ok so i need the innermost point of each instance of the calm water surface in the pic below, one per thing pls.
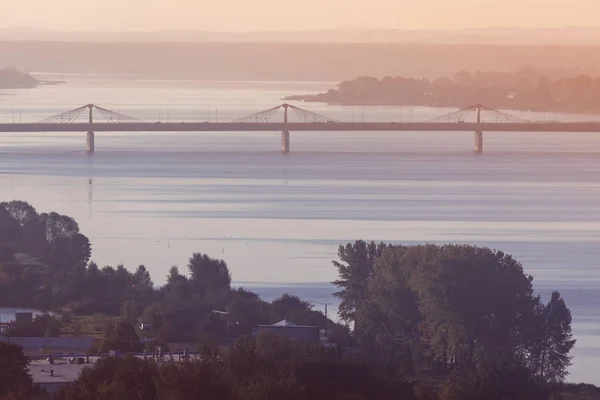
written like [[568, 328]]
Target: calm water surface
[[277, 220]]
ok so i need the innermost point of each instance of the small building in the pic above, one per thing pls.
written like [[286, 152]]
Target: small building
[[289, 330], [52, 377]]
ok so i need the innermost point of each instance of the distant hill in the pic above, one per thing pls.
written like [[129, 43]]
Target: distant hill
[[557, 36], [11, 78], [328, 62]]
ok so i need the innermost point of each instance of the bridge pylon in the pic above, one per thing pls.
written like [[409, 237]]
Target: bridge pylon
[[301, 116], [76, 115], [478, 148], [90, 142], [285, 135]]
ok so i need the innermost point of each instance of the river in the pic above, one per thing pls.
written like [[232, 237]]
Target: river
[[156, 198]]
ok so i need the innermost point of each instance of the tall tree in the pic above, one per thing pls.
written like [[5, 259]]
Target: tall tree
[[355, 269], [552, 340], [245, 310], [21, 211], [471, 299], [208, 274], [8, 226], [14, 376], [390, 313], [59, 226], [121, 336]]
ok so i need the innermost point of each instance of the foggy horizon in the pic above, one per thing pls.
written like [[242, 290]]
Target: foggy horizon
[[244, 15]]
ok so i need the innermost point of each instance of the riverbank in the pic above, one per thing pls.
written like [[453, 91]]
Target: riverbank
[[11, 78], [525, 90]]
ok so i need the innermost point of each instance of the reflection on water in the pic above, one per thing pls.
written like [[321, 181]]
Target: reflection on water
[[154, 199]]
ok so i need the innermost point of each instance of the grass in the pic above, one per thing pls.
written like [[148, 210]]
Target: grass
[[87, 325]]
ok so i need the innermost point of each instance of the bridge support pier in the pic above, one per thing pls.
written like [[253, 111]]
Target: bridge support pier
[[90, 142], [285, 142], [478, 145]]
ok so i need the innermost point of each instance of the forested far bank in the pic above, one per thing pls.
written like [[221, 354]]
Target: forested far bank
[[528, 89]]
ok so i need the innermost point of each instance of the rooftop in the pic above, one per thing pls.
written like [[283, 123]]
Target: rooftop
[[63, 371]]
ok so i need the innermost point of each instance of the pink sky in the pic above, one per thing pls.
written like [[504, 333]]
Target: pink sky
[[242, 15]]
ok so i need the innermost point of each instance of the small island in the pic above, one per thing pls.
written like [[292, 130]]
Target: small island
[[528, 89], [11, 78]]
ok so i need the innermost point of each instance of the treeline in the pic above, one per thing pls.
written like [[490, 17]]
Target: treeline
[[44, 264], [268, 368], [451, 307], [464, 317], [524, 90]]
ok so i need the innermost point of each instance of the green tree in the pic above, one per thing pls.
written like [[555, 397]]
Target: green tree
[[552, 340], [114, 378], [471, 300], [14, 376], [493, 380], [245, 310], [59, 226], [208, 275], [390, 311], [7, 252], [20, 211], [8, 226], [192, 380], [355, 269], [31, 238], [121, 336]]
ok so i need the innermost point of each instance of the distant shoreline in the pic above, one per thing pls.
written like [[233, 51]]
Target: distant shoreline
[[11, 78], [528, 89]]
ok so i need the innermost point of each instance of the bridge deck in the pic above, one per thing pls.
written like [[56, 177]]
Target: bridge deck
[[306, 127]]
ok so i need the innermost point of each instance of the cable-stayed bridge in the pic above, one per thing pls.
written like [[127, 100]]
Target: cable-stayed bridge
[[287, 118]]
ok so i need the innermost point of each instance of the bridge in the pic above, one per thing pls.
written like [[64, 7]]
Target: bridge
[[477, 119]]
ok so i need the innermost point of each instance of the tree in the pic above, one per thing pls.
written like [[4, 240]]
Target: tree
[[471, 300], [44, 325], [114, 378], [552, 340], [355, 269], [8, 226], [208, 275], [14, 376], [80, 250], [245, 310], [7, 252], [493, 380], [122, 337], [59, 226], [390, 312], [22, 212], [31, 238]]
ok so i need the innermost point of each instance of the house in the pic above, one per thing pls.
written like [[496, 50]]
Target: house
[[289, 330]]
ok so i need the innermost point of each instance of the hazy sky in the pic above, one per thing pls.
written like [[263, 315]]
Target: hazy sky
[[242, 15]]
